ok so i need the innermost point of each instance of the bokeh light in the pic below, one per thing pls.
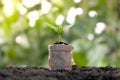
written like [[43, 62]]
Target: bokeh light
[[46, 7], [59, 19], [92, 13], [30, 3], [22, 40], [100, 26], [8, 8], [77, 1], [33, 16], [72, 13], [21, 9], [90, 36]]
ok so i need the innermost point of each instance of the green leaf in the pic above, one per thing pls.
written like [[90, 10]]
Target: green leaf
[[51, 26], [65, 27], [60, 30]]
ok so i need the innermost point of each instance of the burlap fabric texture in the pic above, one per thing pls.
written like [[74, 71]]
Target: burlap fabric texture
[[60, 56]]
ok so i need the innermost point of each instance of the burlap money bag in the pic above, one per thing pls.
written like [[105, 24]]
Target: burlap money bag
[[60, 56]]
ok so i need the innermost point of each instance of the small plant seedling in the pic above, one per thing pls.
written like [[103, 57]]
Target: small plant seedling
[[60, 52], [59, 29]]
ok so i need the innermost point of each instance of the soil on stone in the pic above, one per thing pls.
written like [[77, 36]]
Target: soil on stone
[[77, 73], [61, 43]]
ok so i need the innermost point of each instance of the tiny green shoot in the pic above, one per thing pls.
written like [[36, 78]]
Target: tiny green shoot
[[60, 31]]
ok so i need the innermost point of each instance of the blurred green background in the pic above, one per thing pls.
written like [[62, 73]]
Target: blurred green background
[[25, 33]]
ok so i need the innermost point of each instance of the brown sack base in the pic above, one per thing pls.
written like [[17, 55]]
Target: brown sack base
[[60, 56], [77, 73]]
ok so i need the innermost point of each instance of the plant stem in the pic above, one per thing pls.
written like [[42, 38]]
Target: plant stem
[[60, 38], [60, 29]]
